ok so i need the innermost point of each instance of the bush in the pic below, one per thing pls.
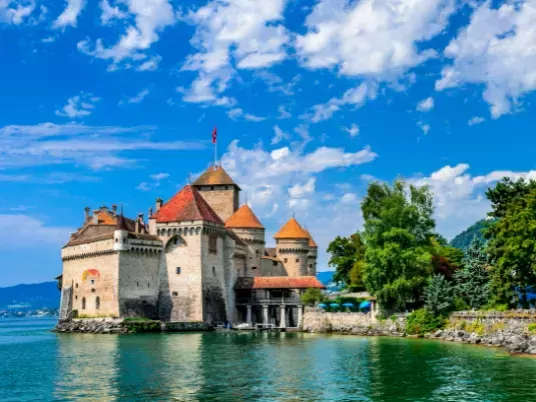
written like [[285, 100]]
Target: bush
[[311, 296], [422, 321], [532, 328]]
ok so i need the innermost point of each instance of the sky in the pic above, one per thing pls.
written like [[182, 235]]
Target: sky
[[114, 101]]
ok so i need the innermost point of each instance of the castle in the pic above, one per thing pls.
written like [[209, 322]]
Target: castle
[[200, 258]]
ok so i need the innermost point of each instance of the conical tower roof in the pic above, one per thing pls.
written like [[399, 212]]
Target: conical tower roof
[[312, 243], [187, 205], [244, 218], [292, 230], [213, 176]]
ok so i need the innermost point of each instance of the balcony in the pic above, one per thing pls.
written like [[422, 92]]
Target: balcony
[[273, 301]]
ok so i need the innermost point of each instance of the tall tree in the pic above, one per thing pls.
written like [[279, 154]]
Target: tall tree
[[473, 281], [346, 252], [398, 229], [512, 241], [439, 295]]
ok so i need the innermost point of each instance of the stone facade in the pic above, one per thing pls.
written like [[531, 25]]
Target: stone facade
[[179, 266]]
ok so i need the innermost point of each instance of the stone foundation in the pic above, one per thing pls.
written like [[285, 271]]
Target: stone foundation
[[119, 326]]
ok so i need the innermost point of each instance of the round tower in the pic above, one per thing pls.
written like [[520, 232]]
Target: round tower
[[248, 228], [312, 256], [121, 234], [292, 247]]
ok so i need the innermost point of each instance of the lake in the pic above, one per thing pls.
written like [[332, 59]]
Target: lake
[[37, 365]]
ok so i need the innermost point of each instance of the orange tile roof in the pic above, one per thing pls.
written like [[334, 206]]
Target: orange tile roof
[[244, 218], [278, 282], [292, 230], [312, 243], [187, 205], [214, 175], [105, 218]]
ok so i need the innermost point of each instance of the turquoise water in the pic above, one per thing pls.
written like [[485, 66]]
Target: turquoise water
[[37, 365]]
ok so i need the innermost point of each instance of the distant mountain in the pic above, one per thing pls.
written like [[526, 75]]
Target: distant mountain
[[325, 277], [39, 295], [463, 240]]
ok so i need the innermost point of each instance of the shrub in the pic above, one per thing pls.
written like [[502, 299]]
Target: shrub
[[311, 296], [532, 328], [423, 321], [476, 327]]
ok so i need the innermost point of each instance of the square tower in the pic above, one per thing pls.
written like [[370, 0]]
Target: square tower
[[219, 191]]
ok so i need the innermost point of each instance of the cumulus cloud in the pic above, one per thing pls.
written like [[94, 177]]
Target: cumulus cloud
[[79, 106], [16, 12], [150, 18], [353, 130], [95, 146], [426, 105], [70, 14], [110, 13], [424, 127], [476, 120], [232, 34], [496, 51], [459, 197]]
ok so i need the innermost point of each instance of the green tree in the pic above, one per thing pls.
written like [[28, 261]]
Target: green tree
[[446, 260], [311, 296], [356, 276], [439, 295], [512, 241], [398, 230], [345, 253], [473, 282]]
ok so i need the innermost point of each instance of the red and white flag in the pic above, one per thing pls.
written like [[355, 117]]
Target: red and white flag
[[214, 135]]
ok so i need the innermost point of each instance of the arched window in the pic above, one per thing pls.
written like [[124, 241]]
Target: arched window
[[83, 303], [97, 302]]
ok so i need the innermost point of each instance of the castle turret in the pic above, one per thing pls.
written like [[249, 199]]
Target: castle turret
[[292, 247], [219, 191], [248, 228], [312, 256], [121, 234]]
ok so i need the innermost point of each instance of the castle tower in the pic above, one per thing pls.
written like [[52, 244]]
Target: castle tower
[[292, 247], [219, 191], [247, 227], [312, 256], [121, 234]]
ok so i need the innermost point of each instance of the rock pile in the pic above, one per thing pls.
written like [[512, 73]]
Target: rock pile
[[92, 326]]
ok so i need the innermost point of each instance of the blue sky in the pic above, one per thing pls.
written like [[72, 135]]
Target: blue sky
[[114, 101]]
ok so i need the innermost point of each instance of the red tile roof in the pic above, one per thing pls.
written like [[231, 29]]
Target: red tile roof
[[312, 243], [278, 282], [244, 218], [292, 230], [187, 205]]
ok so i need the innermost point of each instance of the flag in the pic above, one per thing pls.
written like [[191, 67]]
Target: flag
[[214, 135]]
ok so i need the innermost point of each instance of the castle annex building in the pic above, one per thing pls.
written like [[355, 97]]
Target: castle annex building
[[200, 257]]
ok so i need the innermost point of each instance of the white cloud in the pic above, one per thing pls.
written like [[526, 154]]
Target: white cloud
[[303, 190], [426, 105], [495, 50], [138, 98], [283, 113], [349, 198], [476, 120], [159, 176], [150, 17], [354, 97], [79, 106], [110, 13], [70, 14], [94, 146], [144, 186], [279, 135], [229, 34], [459, 197], [374, 39], [15, 12], [276, 84], [353, 130], [16, 230], [237, 113], [424, 127]]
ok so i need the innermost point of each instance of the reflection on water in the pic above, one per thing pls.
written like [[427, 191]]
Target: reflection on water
[[38, 365]]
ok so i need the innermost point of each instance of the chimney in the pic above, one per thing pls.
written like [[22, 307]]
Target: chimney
[[104, 208], [86, 209], [139, 223], [114, 209], [150, 212], [96, 217], [159, 203]]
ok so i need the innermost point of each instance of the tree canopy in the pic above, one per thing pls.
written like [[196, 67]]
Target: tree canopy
[[347, 254], [398, 229], [473, 278]]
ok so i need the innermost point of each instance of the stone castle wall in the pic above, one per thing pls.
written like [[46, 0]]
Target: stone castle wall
[[97, 256], [254, 238], [213, 279], [293, 253], [224, 200]]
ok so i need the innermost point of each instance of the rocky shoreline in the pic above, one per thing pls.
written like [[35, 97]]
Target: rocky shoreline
[[118, 326]]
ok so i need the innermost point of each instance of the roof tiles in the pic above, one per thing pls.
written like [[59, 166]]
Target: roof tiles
[[214, 175], [292, 230], [278, 282], [244, 218], [187, 205]]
